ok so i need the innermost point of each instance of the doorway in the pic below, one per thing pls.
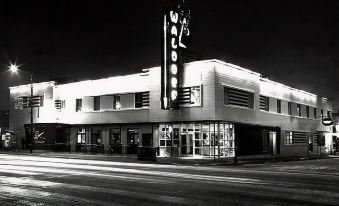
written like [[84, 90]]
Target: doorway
[[273, 142], [186, 141]]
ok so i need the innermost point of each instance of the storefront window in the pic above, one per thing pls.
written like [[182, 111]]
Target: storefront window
[[81, 136], [132, 136], [196, 139], [96, 137], [114, 136]]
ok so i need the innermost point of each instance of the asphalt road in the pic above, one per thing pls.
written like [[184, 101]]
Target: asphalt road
[[35, 180]]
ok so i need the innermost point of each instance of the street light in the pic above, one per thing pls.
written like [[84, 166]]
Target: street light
[[14, 69]]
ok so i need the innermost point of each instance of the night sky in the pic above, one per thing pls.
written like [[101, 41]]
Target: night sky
[[292, 42]]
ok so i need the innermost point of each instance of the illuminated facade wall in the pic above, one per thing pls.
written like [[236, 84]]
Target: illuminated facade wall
[[132, 103]]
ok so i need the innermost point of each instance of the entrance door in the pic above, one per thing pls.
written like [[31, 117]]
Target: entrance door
[[273, 143], [186, 144]]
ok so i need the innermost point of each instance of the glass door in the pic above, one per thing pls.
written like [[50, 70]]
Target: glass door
[[186, 144]]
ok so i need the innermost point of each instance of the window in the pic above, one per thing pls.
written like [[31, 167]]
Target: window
[[238, 97], [59, 104], [288, 138], [116, 102], [315, 113], [299, 137], [132, 136], [141, 99], [165, 139], [63, 104], [307, 111], [96, 137], [289, 108], [265, 141], [322, 113], [264, 103], [138, 100], [81, 136], [78, 105], [190, 96], [96, 103], [114, 136], [329, 114], [37, 101], [299, 110], [278, 106]]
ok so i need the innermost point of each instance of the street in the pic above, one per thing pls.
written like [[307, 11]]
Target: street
[[36, 180]]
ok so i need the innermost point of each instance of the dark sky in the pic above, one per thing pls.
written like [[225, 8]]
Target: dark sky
[[292, 42]]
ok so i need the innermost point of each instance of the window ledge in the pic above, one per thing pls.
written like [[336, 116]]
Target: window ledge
[[288, 115], [239, 107]]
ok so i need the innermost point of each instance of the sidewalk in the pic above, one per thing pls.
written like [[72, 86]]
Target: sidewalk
[[206, 161]]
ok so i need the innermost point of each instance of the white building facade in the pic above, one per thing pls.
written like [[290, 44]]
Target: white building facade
[[225, 111]]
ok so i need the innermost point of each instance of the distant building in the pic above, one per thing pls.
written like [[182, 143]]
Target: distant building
[[225, 110], [4, 119]]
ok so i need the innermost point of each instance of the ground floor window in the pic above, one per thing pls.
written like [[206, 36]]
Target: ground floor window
[[96, 136], [132, 136], [194, 139], [288, 137], [114, 136], [81, 136]]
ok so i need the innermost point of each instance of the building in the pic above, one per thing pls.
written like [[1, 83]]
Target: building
[[4, 118], [225, 110]]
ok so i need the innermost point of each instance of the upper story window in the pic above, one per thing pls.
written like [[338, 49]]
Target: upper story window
[[190, 96], [96, 105], [116, 101], [278, 106], [141, 99], [24, 102], [264, 103], [78, 105], [60, 104], [299, 110], [307, 111], [131, 100], [315, 113], [289, 105], [238, 97]]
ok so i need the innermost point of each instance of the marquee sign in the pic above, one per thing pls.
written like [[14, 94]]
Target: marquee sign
[[174, 35]]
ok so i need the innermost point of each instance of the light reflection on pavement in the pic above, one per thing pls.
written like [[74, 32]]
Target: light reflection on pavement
[[34, 180]]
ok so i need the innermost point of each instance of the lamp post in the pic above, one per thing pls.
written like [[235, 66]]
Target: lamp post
[[14, 69]]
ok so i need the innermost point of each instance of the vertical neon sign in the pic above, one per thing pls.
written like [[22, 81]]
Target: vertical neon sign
[[174, 28]]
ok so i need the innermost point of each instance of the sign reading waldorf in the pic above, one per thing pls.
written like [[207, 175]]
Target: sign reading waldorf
[[175, 33]]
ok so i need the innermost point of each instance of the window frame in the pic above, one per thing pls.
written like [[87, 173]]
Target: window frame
[[96, 103], [289, 108], [82, 133], [266, 106], [315, 112], [288, 140], [307, 111], [78, 105], [279, 106], [251, 97], [299, 110]]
